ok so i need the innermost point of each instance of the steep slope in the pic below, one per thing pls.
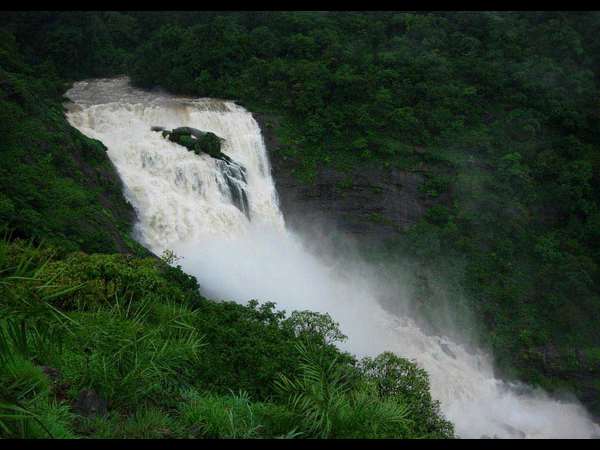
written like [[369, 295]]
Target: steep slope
[[56, 185]]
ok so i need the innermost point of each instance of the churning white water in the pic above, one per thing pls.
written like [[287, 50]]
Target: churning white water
[[183, 203]]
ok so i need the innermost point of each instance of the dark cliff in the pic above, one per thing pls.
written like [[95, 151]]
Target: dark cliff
[[378, 204]]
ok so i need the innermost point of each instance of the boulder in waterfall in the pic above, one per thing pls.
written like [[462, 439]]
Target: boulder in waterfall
[[197, 141], [184, 131], [209, 143], [157, 128]]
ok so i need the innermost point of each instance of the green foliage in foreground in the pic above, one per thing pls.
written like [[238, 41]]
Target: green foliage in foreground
[[170, 363]]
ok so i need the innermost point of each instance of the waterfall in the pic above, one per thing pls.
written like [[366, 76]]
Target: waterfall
[[179, 196], [187, 203]]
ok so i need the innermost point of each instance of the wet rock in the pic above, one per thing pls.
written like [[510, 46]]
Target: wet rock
[[197, 141], [201, 142], [238, 195], [89, 404], [183, 131], [157, 128], [235, 178]]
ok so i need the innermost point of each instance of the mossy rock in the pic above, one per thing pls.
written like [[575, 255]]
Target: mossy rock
[[197, 141]]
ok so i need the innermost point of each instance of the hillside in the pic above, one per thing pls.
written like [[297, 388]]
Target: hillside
[[466, 143]]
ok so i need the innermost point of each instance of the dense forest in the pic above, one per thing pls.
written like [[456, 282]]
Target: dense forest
[[499, 111]]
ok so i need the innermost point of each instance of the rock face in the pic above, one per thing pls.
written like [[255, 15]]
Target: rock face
[[372, 203]]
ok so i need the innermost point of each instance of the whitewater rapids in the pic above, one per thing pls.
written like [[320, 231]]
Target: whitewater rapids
[[182, 204]]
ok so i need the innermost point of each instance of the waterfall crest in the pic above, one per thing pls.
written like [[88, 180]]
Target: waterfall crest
[[178, 195], [186, 202]]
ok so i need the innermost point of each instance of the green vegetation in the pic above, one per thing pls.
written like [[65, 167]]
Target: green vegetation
[[499, 110], [55, 183], [196, 141], [155, 359]]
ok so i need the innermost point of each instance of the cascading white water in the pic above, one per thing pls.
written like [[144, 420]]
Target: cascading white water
[[178, 195], [182, 204]]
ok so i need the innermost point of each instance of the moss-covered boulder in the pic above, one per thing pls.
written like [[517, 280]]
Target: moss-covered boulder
[[197, 141]]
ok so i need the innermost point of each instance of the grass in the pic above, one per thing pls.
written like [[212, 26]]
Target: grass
[[169, 363]]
